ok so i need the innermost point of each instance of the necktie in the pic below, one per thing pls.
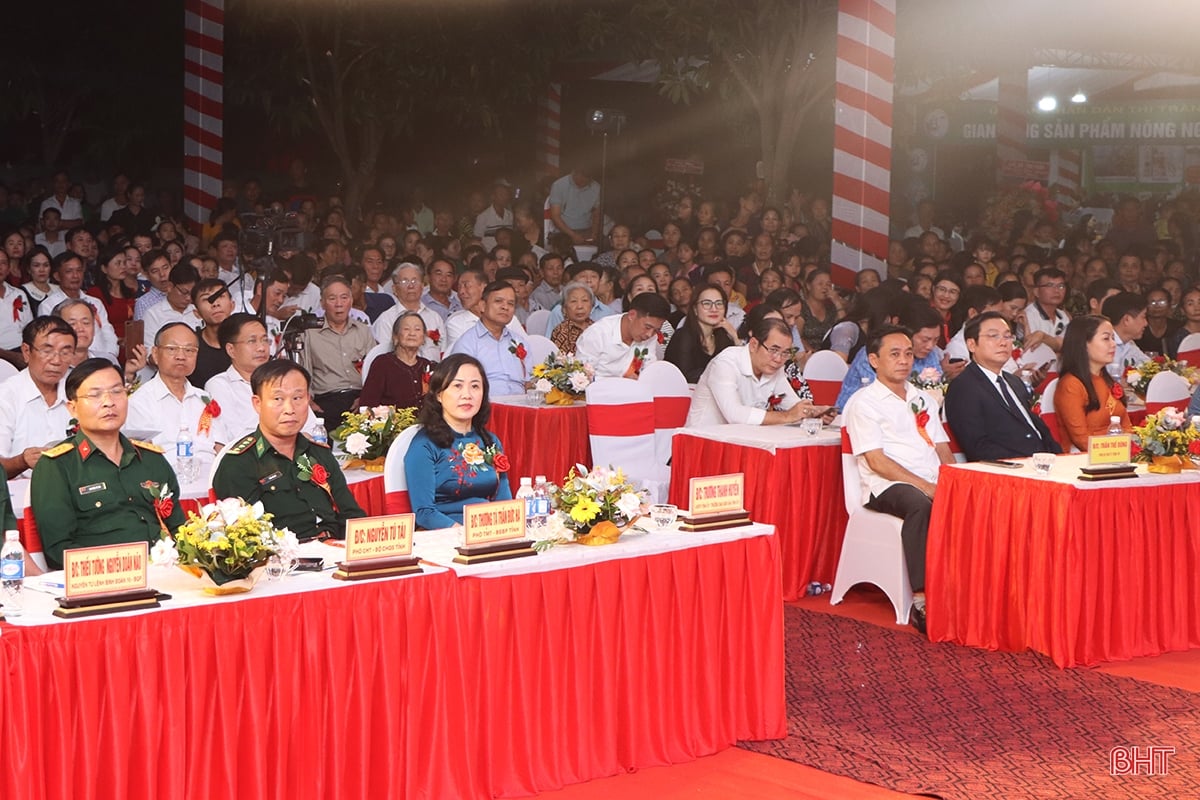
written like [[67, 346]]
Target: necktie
[[1011, 401]]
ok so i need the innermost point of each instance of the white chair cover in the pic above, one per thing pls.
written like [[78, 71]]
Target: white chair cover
[[824, 371], [537, 321], [395, 482], [1189, 349], [1167, 389], [672, 400], [620, 415], [372, 354], [538, 347]]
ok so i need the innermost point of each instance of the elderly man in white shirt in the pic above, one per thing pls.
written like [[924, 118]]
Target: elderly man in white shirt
[[897, 438], [68, 269], [33, 404], [747, 385], [167, 403], [408, 286], [619, 346]]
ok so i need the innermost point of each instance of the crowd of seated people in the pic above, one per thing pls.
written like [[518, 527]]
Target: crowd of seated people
[[738, 296]]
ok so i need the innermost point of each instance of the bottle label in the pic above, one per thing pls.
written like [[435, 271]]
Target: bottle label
[[12, 569], [183, 449]]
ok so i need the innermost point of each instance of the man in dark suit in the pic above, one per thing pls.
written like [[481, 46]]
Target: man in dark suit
[[988, 409]]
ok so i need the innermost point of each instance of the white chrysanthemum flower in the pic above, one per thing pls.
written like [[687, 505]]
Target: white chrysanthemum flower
[[357, 444]]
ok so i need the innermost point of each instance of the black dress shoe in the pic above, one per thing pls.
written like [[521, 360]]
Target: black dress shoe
[[916, 618]]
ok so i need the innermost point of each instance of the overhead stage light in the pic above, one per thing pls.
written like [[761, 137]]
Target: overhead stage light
[[1079, 97], [1047, 103]]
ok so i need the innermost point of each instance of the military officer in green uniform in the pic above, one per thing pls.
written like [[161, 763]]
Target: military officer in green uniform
[[297, 480], [98, 487]]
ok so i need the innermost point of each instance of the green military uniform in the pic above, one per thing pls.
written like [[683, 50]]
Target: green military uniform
[[7, 517], [254, 470], [81, 499]]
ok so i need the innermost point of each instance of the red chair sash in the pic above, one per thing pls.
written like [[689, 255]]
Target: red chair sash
[[632, 419], [671, 412], [1190, 356], [1154, 408], [825, 393], [397, 503]]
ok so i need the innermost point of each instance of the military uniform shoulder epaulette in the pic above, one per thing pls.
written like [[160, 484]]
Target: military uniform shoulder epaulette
[[151, 446], [242, 445], [59, 449]]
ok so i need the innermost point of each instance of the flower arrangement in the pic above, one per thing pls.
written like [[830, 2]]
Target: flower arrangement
[[1167, 441], [932, 381], [563, 379], [1138, 376], [227, 541], [595, 505], [367, 435]]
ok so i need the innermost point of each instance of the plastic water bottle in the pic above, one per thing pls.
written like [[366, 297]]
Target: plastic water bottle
[[526, 493], [540, 519], [12, 574], [185, 459], [1114, 426], [320, 435]]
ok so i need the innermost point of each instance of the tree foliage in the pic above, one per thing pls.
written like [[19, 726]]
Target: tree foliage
[[771, 60], [368, 75]]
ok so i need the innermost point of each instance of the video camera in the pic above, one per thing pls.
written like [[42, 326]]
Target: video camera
[[264, 235]]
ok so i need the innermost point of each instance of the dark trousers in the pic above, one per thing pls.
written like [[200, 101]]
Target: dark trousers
[[334, 404], [910, 504]]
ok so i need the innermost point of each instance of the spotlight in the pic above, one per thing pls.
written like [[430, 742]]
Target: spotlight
[[1047, 103], [605, 120], [1079, 97]]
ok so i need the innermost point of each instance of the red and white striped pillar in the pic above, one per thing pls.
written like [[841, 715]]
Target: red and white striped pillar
[[1012, 111], [862, 138], [549, 133], [1066, 172], [203, 114]]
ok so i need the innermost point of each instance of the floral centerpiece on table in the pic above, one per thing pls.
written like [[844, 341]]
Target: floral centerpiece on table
[[1167, 441], [563, 379], [1138, 376], [594, 506], [367, 434], [226, 543], [932, 381]]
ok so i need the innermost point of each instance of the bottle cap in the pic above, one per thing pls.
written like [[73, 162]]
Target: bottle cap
[[12, 536], [527, 481], [541, 479], [1115, 420]]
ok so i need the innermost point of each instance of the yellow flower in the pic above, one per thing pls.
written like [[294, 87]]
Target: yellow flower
[[585, 510], [472, 454], [539, 370]]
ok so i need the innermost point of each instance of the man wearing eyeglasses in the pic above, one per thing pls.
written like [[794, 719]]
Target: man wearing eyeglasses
[[1045, 313], [168, 401], [33, 408], [98, 487], [747, 385], [989, 410], [408, 286], [178, 304]]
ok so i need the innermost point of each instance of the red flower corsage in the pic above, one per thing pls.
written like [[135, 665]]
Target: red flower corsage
[[435, 336], [922, 419], [1017, 353], [211, 411], [662, 338], [500, 462], [518, 350], [1117, 391], [18, 306], [773, 402], [316, 474]]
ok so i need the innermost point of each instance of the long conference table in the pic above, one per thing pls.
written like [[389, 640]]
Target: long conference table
[[1081, 572], [481, 681]]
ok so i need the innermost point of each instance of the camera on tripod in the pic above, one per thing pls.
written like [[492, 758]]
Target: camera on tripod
[[263, 236]]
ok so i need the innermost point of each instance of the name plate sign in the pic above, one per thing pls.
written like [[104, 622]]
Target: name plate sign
[[719, 494], [107, 569], [373, 538], [1108, 450], [488, 523]]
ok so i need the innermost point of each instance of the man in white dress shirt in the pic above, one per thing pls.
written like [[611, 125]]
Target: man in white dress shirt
[[747, 385], [177, 307], [15, 312], [897, 438], [1045, 313], [496, 216], [69, 209], [246, 340], [407, 285], [33, 404], [1127, 312], [168, 402], [620, 345], [68, 271]]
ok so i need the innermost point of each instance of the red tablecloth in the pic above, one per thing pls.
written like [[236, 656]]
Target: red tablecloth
[[796, 489], [433, 686], [1081, 575], [542, 440]]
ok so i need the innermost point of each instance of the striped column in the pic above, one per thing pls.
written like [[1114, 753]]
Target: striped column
[[1066, 172], [1012, 106], [203, 86], [862, 138], [549, 134]]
